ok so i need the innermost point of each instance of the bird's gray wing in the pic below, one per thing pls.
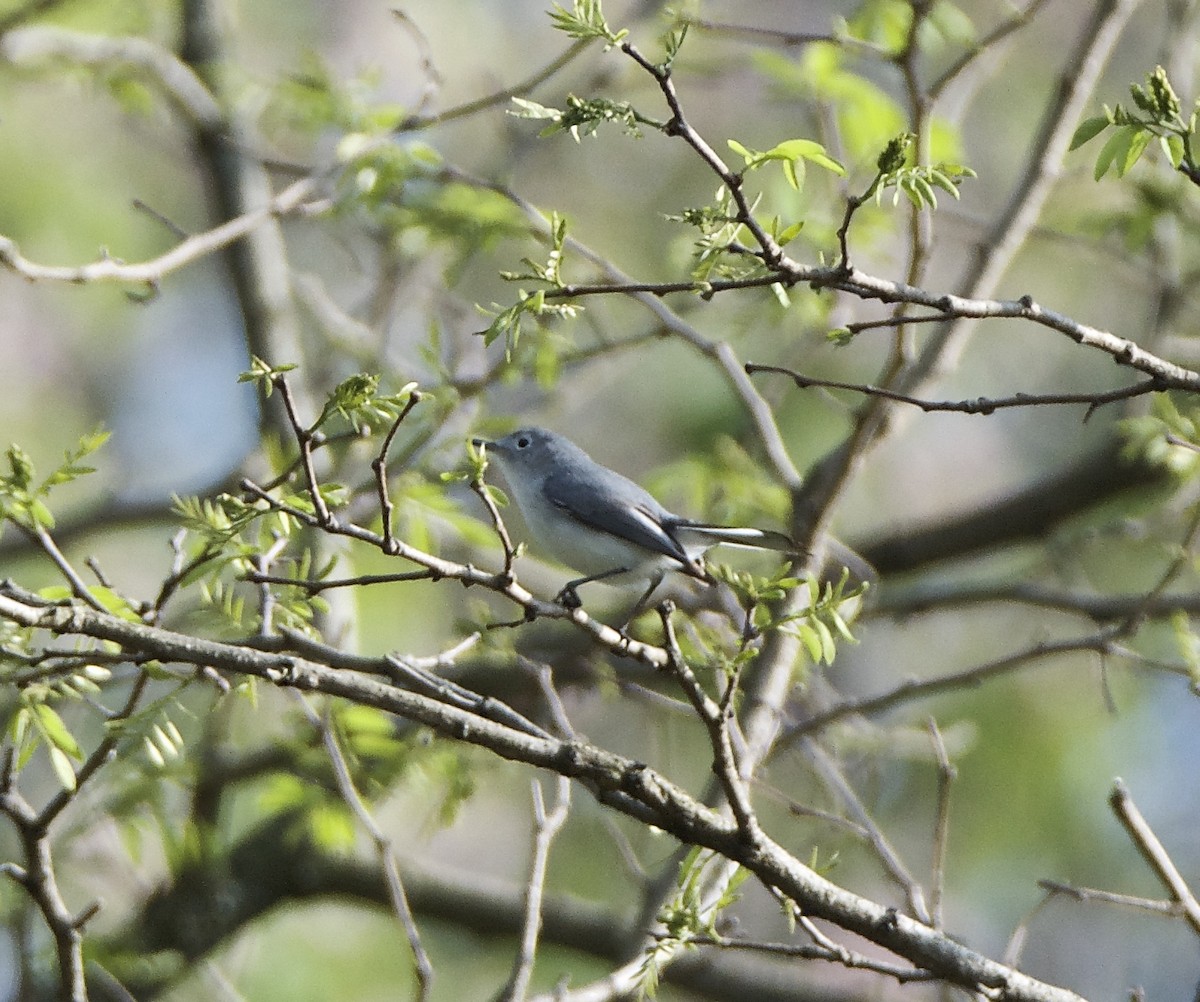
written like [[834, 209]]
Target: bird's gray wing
[[620, 508]]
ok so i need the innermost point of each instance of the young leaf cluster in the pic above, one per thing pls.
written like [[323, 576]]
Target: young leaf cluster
[[264, 375], [1157, 114], [232, 532], [315, 98], [719, 229], [551, 271], [1168, 437], [818, 627], [723, 482], [917, 182], [691, 913], [37, 724], [791, 155], [508, 321], [586, 21], [23, 496], [584, 116], [357, 400], [221, 520], [163, 743]]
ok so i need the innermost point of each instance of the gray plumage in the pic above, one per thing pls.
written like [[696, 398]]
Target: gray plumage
[[603, 524]]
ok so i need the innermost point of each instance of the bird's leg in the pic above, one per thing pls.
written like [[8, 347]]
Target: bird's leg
[[569, 597], [643, 603]]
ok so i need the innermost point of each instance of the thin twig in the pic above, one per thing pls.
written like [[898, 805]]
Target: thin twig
[[510, 552], [379, 465], [433, 79], [534, 607], [544, 675], [997, 249], [40, 882], [38, 875], [304, 439], [1182, 562], [831, 775], [546, 826], [716, 719], [93, 565], [980, 405], [1172, 909], [777, 36], [1099, 608], [826, 949], [923, 688], [79, 587], [384, 848], [266, 597], [150, 273], [770, 251], [952, 307], [316, 586], [1018, 20], [499, 97], [941, 829], [1154, 853], [182, 87]]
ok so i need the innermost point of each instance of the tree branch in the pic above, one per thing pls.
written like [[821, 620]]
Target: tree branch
[[291, 201], [1154, 853], [980, 405], [619, 782], [546, 826]]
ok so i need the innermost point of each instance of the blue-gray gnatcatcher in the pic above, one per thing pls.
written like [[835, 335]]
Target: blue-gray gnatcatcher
[[600, 523]]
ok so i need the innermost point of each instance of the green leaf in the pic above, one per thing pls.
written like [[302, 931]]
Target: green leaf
[[951, 23], [332, 827], [1088, 130], [18, 726], [924, 191], [117, 604], [21, 466], [55, 731], [828, 646], [1116, 149], [41, 514], [263, 374], [531, 109], [943, 181], [808, 149], [1174, 148], [841, 626], [585, 20], [789, 234], [811, 640], [63, 769], [793, 171], [791, 152], [1137, 146], [153, 753]]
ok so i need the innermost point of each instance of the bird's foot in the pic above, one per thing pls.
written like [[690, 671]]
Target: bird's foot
[[569, 598]]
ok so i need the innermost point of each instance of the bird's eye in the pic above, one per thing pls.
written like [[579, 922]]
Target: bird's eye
[[523, 442]]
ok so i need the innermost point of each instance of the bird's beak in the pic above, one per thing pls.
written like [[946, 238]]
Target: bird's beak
[[477, 442]]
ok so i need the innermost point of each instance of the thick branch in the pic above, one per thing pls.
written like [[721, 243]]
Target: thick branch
[[1028, 514], [619, 782]]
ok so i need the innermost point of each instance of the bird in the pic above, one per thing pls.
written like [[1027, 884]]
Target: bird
[[602, 524]]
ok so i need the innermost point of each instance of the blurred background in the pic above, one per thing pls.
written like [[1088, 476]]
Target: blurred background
[[95, 162]]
